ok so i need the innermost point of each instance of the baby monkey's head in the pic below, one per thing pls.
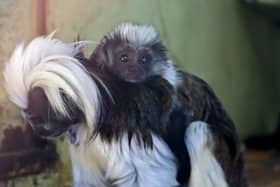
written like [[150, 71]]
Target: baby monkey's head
[[132, 52]]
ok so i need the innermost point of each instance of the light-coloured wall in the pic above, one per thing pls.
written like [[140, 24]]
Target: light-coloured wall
[[218, 40]]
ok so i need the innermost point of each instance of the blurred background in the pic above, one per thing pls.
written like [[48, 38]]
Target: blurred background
[[234, 45]]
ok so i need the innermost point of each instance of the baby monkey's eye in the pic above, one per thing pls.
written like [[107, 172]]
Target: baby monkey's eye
[[124, 58], [146, 59]]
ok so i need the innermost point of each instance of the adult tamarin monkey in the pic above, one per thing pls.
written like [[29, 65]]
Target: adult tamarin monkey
[[134, 53], [116, 128]]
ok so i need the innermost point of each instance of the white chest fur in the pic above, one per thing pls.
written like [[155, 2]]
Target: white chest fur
[[100, 164]]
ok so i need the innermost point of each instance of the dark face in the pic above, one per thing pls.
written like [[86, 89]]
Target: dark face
[[44, 121], [133, 63]]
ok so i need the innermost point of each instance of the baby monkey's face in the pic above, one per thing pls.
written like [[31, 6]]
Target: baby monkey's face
[[132, 52], [133, 64]]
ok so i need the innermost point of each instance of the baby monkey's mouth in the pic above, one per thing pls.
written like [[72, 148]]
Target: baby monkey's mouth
[[134, 76]]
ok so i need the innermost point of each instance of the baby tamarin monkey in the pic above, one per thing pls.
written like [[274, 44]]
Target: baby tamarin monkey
[[134, 53]]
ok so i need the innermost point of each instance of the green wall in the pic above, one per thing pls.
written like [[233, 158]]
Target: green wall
[[218, 40]]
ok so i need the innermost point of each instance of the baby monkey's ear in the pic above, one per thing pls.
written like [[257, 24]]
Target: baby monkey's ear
[[80, 55], [99, 55], [78, 38]]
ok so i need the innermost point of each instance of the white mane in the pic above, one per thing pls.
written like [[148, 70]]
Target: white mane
[[49, 64], [138, 35]]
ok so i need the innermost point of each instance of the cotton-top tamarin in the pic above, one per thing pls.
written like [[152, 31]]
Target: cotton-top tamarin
[[135, 53], [117, 129]]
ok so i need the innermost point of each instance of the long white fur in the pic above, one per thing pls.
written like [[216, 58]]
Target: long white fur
[[206, 171], [124, 165], [49, 64]]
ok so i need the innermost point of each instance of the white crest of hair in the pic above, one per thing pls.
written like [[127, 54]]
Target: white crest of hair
[[206, 171], [49, 64], [25, 58], [138, 35], [122, 164]]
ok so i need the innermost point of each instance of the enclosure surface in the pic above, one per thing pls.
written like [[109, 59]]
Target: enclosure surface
[[263, 168]]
